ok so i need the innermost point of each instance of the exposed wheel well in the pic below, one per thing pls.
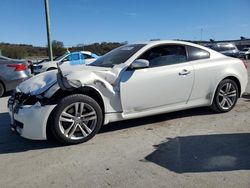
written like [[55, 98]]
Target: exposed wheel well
[[236, 81]]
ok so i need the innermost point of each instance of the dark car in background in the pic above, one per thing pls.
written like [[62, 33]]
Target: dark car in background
[[12, 72], [228, 49]]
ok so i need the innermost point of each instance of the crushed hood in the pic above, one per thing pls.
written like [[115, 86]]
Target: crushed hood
[[90, 75], [39, 83], [87, 76]]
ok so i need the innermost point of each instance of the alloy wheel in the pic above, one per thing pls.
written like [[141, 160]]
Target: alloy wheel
[[77, 120], [227, 96]]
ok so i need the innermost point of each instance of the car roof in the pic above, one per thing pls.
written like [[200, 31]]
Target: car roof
[[169, 42], [86, 52], [158, 42]]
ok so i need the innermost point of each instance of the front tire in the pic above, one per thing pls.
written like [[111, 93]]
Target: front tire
[[226, 96], [77, 118]]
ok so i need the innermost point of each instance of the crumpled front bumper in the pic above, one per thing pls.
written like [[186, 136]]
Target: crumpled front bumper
[[30, 121]]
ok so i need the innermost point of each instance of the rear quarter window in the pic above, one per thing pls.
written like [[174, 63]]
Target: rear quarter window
[[197, 53]]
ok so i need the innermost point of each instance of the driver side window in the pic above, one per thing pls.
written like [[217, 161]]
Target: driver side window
[[165, 55]]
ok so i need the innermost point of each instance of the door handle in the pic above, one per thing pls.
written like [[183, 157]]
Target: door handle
[[184, 72]]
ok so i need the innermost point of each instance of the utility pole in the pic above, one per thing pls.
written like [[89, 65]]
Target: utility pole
[[46, 3]]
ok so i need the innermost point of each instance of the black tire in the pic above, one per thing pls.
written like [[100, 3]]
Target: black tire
[[1, 89], [56, 125], [217, 103]]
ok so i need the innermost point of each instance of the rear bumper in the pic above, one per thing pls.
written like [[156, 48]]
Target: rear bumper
[[11, 84], [16, 78], [31, 121]]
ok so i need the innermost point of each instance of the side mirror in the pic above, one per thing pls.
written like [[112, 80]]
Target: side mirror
[[139, 63]]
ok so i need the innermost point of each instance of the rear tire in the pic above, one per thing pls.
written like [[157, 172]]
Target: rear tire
[[226, 96], [1, 89], [76, 118]]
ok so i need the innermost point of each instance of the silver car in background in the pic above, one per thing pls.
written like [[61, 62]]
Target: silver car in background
[[12, 72], [245, 53]]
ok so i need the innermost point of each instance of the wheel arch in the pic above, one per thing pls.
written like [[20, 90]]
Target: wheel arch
[[86, 90], [231, 77], [236, 80]]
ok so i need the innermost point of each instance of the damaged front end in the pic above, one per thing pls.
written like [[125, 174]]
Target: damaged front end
[[98, 77], [104, 80], [19, 99], [29, 115], [29, 108], [33, 101], [33, 91]]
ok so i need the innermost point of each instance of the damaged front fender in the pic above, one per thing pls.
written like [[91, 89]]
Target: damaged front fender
[[104, 80], [82, 78]]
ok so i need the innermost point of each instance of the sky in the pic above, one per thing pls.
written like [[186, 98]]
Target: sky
[[87, 21]]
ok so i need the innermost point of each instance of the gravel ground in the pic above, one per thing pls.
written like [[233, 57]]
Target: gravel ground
[[191, 148]]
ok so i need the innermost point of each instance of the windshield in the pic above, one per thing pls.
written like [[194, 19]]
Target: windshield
[[117, 56]]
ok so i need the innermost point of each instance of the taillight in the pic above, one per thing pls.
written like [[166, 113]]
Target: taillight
[[245, 63], [18, 67]]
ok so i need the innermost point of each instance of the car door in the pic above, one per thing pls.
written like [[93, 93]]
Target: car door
[[167, 81]]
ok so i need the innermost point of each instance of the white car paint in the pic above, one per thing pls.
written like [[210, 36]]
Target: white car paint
[[45, 66], [139, 93]]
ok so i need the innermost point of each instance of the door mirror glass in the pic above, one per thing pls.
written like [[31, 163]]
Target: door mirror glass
[[139, 63]]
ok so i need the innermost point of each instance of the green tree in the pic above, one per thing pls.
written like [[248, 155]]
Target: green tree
[[58, 48]]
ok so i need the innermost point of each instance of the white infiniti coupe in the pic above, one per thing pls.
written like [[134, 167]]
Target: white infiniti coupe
[[132, 81]]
